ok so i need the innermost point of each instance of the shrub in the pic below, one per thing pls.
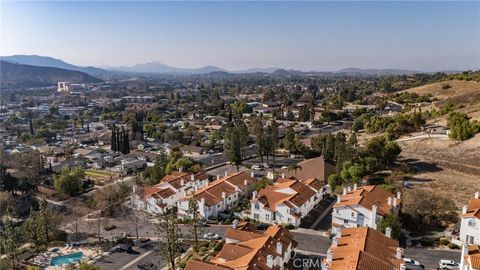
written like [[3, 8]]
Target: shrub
[[444, 241], [453, 246], [446, 86]]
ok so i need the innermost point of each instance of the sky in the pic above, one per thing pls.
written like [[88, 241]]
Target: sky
[[322, 36]]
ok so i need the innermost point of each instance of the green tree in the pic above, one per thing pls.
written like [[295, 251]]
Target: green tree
[[289, 139], [393, 222], [69, 181], [194, 219]]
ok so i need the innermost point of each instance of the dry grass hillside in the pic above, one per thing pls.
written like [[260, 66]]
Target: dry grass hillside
[[447, 166], [466, 93]]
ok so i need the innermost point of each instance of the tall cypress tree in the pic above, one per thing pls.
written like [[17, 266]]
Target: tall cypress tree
[[113, 139]]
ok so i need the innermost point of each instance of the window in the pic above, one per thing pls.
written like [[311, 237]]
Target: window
[[345, 221], [267, 216], [289, 220], [337, 211], [353, 214], [469, 240], [255, 216], [257, 206], [471, 223]]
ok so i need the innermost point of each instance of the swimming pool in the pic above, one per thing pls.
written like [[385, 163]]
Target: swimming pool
[[67, 259]]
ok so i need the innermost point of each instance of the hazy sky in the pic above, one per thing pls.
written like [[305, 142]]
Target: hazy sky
[[239, 35]]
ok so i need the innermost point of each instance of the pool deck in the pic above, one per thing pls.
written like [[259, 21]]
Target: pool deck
[[43, 259]]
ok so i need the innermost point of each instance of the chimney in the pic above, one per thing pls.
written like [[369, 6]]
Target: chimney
[[180, 169], [399, 195], [339, 199], [245, 182], [224, 195], [254, 194], [349, 188], [395, 202], [226, 173], [399, 253], [373, 218], [390, 201], [192, 177], [218, 176], [270, 261], [344, 190], [182, 182], [464, 209], [252, 174], [335, 242], [202, 202], [134, 189], [329, 255], [283, 175], [388, 232], [477, 195], [279, 248], [355, 186], [235, 224]]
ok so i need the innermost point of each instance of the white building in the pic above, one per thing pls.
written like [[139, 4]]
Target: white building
[[172, 187], [287, 201], [364, 206], [247, 248], [220, 195], [470, 223]]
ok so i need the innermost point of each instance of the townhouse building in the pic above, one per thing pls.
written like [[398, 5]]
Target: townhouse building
[[470, 222], [363, 206], [167, 192], [287, 201], [220, 195], [246, 248], [363, 249], [470, 259]]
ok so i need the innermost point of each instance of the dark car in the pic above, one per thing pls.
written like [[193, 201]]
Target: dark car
[[262, 226], [123, 248], [146, 266]]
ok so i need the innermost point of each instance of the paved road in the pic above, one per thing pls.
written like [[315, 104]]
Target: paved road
[[431, 257], [116, 261]]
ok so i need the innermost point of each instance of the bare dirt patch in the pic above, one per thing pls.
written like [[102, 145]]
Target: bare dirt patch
[[445, 166]]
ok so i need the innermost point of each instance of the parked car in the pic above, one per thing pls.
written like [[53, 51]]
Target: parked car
[[448, 264], [411, 264], [201, 223], [262, 226], [211, 236], [123, 248], [146, 266]]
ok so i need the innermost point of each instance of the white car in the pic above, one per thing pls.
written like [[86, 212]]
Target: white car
[[211, 236], [448, 264], [412, 264]]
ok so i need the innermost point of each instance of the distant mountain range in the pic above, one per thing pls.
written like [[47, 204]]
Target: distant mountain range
[[160, 68], [45, 61], [25, 76]]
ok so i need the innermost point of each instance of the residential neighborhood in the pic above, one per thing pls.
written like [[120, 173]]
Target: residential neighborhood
[[239, 135]]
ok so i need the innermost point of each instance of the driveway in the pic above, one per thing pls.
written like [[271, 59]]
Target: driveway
[[431, 257]]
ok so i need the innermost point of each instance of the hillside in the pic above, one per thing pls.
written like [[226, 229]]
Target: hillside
[[45, 61], [24, 76], [466, 93]]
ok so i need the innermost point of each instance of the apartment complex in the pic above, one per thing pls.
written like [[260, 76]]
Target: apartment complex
[[470, 223], [287, 201], [171, 188], [363, 206], [246, 248], [363, 249], [220, 195], [470, 258]]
